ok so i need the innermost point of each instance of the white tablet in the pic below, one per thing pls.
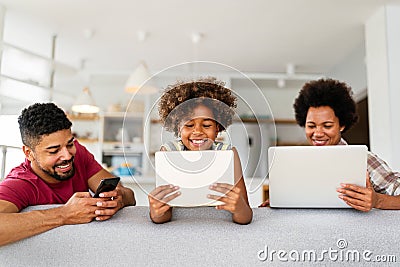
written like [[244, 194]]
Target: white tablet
[[308, 176], [194, 172]]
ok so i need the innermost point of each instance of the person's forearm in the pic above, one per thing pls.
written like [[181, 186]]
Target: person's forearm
[[386, 202], [244, 217], [17, 226]]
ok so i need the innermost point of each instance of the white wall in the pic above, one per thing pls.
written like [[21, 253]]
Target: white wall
[[352, 70], [383, 67], [393, 46]]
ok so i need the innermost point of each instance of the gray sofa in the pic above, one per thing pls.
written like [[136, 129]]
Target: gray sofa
[[207, 237]]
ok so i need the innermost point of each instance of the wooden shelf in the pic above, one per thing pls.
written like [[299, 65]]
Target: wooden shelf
[[285, 121], [121, 115], [276, 121], [84, 117], [253, 120], [87, 140], [155, 121]]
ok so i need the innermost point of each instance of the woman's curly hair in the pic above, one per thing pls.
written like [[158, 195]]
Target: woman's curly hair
[[41, 119], [327, 92], [205, 91]]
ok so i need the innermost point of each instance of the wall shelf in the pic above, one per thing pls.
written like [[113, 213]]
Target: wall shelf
[[276, 121], [285, 121], [252, 120], [83, 117], [87, 140]]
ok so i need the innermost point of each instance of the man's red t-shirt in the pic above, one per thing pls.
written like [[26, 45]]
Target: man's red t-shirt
[[24, 188]]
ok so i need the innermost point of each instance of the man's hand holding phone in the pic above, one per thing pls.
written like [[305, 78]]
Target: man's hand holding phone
[[110, 198], [106, 185]]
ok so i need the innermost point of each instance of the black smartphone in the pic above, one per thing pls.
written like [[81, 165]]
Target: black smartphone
[[106, 185]]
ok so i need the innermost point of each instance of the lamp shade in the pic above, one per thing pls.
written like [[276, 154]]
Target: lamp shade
[[85, 103], [137, 81]]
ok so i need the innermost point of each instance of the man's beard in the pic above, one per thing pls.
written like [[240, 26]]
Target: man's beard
[[65, 176]]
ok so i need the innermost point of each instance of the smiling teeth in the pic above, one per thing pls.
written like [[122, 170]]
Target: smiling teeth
[[198, 141], [63, 167]]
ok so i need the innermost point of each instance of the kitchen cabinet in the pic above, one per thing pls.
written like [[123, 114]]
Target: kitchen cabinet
[[123, 149], [122, 128], [115, 139]]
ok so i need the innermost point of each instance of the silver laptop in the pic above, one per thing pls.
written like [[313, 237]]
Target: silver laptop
[[194, 172], [308, 176]]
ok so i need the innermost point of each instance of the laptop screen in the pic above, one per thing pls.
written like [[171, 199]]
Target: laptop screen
[[308, 176]]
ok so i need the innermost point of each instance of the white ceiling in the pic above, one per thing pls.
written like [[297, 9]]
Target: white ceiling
[[252, 36]]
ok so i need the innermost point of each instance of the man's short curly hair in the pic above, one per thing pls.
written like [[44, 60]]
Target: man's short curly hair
[[205, 91], [327, 92], [41, 119]]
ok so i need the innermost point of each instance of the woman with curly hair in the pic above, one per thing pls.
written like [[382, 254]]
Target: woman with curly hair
[[326, 109], [196, 112]]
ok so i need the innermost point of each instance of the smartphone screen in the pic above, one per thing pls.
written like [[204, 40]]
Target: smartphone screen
[[106, 185]]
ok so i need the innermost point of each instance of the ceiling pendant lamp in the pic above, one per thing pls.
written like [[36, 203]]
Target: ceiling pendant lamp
[[138, 81], [85, 103]]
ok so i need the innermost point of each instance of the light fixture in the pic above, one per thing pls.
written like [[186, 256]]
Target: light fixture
[[290, 73], [281, 83], [88, 33], [139, 80], [142, 35], [85, 103], [290, 68], [197, 37]]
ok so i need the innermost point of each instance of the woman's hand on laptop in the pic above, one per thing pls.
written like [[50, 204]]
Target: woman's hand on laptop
[[359, 197], [160, 211]]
